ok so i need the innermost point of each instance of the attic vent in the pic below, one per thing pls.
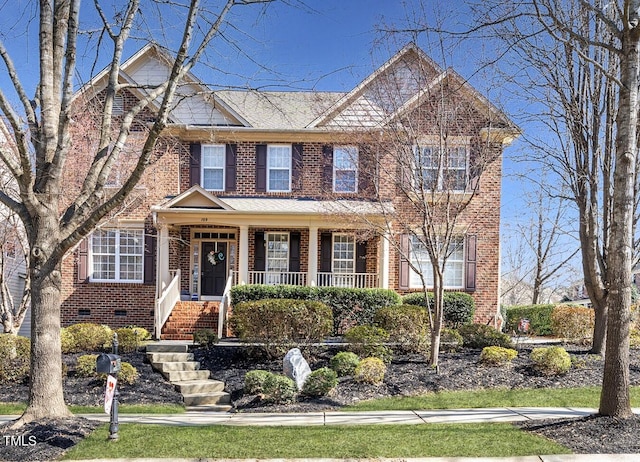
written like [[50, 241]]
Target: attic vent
[[118, 105]]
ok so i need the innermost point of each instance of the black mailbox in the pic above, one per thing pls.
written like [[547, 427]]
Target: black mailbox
[[108, 363]]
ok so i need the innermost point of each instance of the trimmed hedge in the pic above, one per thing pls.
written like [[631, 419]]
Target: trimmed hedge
[[458, 307], [281, 323], [349, 307], [539, 317], [15, 354], [407, 325], [573, 323]]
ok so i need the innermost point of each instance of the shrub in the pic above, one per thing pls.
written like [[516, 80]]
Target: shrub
[[349, 307], [344, 363], [89, 337], [130, 338], [86, 365], [206, 338], [450, 339], [15, 355], [539, 317], [281, 323], [254, 381], [496, 355], [574, 323], [551, 360], [128, 374], [278, 389], [68, 341], [407, 325], [320, 382], [458, 307], [370, 370], [369, 341], [481, 335]]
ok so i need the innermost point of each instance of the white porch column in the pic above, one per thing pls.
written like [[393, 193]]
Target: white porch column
[[312, 268], [163, 276], [384, 261], [243, 255]]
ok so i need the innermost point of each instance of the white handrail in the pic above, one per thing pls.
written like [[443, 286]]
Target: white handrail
[[165, 303], [224, 304]]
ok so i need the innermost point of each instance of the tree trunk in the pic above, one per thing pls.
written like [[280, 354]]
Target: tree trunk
[[438, 311], [614, 399]]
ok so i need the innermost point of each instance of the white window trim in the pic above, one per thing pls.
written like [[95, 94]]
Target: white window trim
[[266, 250], [290, 167], [355, 169], [449, 261], [333, 260], [117, 258], [438, 146], [224, 166]]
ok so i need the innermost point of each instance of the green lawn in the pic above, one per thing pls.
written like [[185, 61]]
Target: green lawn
[[18, 408], [228, 442]]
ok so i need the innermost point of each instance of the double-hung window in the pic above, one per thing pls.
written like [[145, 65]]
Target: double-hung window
[[279, 168], [277, 261], [117, 255], [343, 260], [345, 169], [213, 162], [440, 169], [453, 270]]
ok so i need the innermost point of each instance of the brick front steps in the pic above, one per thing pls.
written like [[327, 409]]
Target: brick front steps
[[187, 317], [200, 393]]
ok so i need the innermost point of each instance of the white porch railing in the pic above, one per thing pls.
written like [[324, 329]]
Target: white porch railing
[[351, 280], [165, 303], [275, 278], [224, 306]]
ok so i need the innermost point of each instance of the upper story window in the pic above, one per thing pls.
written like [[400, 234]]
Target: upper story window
[[345, 169], [453, 270], [213, 167], [117, 255], [441, 169], [279, 168]]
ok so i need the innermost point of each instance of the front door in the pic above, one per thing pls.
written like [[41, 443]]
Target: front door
[[214, 269]]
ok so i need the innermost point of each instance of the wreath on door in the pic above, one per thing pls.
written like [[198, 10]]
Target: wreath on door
[[215, 257]]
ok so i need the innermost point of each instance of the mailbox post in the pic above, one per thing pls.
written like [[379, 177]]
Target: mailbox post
[[110, 364]]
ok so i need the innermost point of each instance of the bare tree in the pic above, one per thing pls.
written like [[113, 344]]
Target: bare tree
[[41, 132]]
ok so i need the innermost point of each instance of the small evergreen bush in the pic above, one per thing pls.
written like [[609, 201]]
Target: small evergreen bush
[[370, 370], [450, 339], [320, 382], [458, 307], [89, 337], [254, 381], [481, 335], [86, 365], [278, 389], [130, 338], [15, 355], [407, 325], [495, 355], [68, 341], [539, 317], [551, 360], [205, 338], [128, 374], [369, 341], [279, 324], [573, 323], [344, 363]]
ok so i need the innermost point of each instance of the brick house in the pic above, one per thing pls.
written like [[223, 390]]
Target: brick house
[[279, 188]]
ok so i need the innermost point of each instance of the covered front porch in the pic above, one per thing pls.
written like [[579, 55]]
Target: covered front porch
[[206, 245]]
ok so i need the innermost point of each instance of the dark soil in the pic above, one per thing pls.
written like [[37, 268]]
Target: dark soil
[[406, 375]]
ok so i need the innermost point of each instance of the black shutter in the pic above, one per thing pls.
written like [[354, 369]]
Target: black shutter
[[366, 171], [403, 280], [294, 252], [259, 258], [325, 252], [361, 257], [261, 168], [471, 250], [230, 167], [149, 259], [296, 163], [475, 169], [327, 168], [195, 150], [83, 260]]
